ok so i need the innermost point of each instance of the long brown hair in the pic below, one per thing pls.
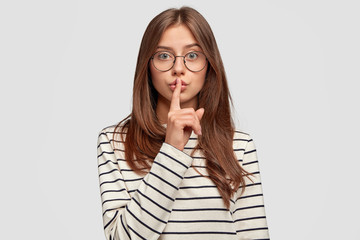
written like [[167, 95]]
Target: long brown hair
[[145, 134]]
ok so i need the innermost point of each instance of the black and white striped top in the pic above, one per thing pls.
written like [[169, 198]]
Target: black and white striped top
[[173, 201]]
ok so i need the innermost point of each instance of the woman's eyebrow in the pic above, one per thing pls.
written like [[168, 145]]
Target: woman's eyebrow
[[187, 46], [192, 45]]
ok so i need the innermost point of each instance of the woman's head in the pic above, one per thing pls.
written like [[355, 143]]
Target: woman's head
[[214, 87], [178, 56]]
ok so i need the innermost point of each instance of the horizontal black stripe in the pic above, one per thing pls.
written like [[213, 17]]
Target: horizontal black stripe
[[186, 167], [116, 199], [169, 170], [123, 180], [253, 184], [106, 225], [245, 208], [200, 221], [108, 191], [118, 149], [241, 139], [252, 229], [163, 180], [249, 196], [250, 185], [195, 147], [107, 163], [157, 190], [152, 215], [101, 143], [247, 219], [166, 210], [196, 176], [144, 224], [193, 233], [130, 170], [199, 209], [195, 187], [198, 198], [250, 151], [126, 170], [103, 133], [105, 152], [239, 149], [118, 141], [107, 132], [104, 173], [195, 166], [250, 163]]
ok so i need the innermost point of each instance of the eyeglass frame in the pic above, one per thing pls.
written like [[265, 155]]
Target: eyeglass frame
[[152, 60]]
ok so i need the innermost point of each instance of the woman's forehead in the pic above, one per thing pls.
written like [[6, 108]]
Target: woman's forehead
[[177, 37]]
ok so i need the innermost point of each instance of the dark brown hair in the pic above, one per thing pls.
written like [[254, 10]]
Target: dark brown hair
[[145, 134]]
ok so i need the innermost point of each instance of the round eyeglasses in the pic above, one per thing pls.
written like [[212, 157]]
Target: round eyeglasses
[[194, 61]]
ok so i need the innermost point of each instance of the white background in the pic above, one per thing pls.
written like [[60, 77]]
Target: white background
[[66, 70]]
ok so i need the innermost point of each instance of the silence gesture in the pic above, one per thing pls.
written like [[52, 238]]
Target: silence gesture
[[181, 122]]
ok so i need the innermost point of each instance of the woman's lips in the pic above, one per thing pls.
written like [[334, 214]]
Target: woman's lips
[[173, 85]]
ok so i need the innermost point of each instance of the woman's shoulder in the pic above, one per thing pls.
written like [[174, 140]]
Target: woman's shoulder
[[240, 135], [117, 129], [109, 129], [241, 140]]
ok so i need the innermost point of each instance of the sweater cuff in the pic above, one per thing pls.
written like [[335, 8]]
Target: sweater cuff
[[177, 155]]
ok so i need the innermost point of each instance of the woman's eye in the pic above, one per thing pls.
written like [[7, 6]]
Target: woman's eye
[[164, 56], [192, 55]]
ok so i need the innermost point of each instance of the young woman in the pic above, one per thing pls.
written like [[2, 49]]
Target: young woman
[[176, 168]]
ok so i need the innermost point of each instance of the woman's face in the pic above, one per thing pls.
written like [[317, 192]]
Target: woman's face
[[179, 41]]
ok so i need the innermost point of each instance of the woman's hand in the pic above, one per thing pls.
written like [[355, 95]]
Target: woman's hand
[[181, 122]]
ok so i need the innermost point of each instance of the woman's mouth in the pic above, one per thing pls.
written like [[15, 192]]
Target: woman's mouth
[[173, 85]]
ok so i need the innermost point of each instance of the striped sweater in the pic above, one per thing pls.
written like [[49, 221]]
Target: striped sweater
[[176, 199]]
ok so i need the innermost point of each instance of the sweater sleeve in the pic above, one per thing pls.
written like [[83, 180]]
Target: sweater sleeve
[[249, 214], [145, 214]]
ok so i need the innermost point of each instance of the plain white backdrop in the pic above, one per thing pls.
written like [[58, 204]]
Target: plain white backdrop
[[66, 70]]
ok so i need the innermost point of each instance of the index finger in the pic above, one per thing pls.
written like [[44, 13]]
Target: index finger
[[175, 99]]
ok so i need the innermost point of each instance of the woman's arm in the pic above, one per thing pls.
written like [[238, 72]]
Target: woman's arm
[[249, 213], [144, 216]]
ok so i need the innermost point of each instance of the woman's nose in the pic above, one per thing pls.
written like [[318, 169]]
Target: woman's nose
[[179, 65]]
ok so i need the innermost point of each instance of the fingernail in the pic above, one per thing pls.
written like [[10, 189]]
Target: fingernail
[[176, 81]]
